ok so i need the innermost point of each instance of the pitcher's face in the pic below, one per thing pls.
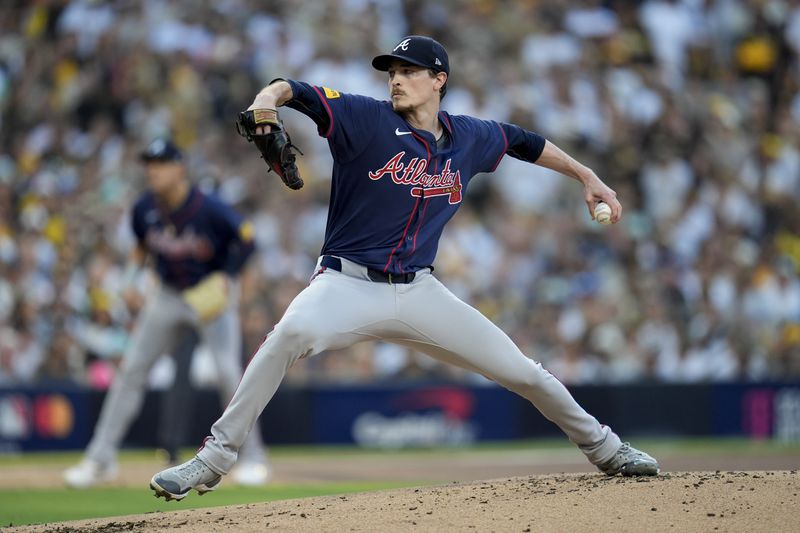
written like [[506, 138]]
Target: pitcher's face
[[411, 86]]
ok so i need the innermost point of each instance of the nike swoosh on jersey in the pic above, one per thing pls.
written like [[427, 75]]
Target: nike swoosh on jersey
[[399, 133]]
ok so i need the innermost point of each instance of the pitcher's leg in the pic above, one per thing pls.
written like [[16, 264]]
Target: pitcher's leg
[[450, 330], [152, 336], [335, 311]]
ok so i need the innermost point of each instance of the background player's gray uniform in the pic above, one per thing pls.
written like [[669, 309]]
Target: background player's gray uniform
[[157, 330], [192, 245]]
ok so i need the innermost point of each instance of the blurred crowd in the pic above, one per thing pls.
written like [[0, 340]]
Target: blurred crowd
[[689, 109]]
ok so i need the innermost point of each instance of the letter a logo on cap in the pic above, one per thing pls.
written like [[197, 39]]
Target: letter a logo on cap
[[403, 45]]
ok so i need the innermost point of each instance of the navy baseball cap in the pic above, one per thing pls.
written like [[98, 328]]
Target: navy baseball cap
[[161, 150], [417, 50]]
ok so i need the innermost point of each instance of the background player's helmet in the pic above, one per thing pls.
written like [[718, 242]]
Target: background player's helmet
[[161, 150]]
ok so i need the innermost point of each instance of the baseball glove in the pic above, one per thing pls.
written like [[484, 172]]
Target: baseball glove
[[209, 297], [276, 147]]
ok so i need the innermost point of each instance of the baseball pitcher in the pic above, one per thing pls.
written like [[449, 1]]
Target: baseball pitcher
[[399, 174]]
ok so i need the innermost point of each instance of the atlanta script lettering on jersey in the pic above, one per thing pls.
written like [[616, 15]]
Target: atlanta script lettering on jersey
[[445, 183], [179, 246]]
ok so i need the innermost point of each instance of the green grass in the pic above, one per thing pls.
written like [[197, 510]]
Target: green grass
[[48, 505], [22, 507], [655, 444]]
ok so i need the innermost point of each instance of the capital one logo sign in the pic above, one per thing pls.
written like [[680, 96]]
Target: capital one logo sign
[[428, 417], [403, 45]]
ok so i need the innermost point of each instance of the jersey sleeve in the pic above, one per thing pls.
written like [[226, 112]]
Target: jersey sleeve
[[523, 144], [495, 139], [490, 143], [348, 121], [238, 234]]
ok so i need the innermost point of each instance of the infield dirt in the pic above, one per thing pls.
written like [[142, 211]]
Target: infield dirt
[[675, 501]]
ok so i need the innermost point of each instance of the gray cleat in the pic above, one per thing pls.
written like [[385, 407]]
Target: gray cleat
[[176, 482], [629, 461]]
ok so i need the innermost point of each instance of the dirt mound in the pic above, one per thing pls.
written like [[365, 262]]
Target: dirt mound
[[683, 501]]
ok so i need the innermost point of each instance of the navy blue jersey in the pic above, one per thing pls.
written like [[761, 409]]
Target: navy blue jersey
[[202, 236], [393, 189]]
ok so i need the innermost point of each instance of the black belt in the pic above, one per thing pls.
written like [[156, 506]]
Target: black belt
[[335, 263]]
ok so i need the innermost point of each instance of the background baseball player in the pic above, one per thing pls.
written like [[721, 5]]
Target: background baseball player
[[199, 245], [400, 169]]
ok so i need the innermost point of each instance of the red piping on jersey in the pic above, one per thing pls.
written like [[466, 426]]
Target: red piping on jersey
[[405, 231], [505, 140], [447, 120], [327, 108], [413, 211], [424, 208]]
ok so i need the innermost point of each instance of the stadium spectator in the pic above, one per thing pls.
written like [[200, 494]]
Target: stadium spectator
[[691, 110]]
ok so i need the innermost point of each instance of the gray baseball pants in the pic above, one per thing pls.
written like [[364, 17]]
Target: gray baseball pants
[[156, 332], [339, 309]]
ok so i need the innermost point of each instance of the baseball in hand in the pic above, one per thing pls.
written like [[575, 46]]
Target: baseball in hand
[[602, 213]]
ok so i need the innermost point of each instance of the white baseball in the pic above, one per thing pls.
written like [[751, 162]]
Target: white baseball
[[602, 213]]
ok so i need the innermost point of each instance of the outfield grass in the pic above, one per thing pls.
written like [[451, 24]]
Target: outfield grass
[[654, 444], [23, 507], [31, 506]]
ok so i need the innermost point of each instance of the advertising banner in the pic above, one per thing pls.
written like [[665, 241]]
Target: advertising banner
[[421, 416], [43, 419], [398, 416], [759, 411]]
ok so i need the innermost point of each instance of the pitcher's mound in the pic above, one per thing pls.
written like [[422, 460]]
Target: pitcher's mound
[[678, 501]]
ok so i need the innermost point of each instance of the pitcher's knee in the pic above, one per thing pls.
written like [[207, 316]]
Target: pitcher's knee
[[534, 375]]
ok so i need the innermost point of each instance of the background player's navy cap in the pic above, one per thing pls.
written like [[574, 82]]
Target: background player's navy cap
[[417, 50], [161, 150]]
